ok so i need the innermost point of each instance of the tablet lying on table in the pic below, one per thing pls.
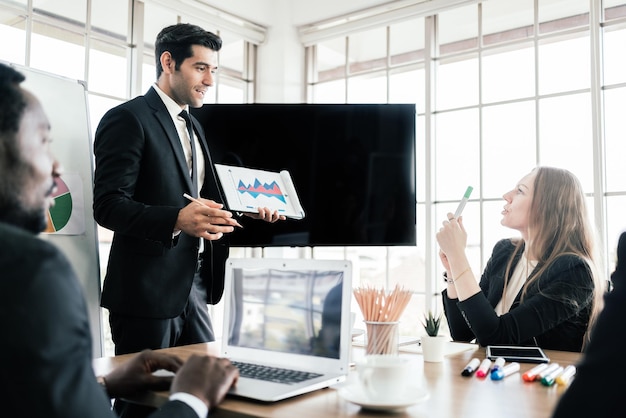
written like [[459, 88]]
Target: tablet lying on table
[[517, 353]]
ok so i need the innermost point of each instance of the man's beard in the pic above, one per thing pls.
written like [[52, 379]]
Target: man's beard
[[15, 214]]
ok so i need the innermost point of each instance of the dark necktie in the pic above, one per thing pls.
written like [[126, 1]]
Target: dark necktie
[[194, 174]]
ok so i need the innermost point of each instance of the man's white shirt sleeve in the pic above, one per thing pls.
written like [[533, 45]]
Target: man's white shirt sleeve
[[196, 404]]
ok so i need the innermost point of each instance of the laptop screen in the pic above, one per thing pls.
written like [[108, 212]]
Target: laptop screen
[[295, 311]]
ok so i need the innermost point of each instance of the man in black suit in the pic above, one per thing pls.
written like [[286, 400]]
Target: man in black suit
[[595, 391], [46, 342], [167, 256]]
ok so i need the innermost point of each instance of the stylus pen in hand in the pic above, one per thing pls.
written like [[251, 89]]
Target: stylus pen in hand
[[193, 199], [459, 209]]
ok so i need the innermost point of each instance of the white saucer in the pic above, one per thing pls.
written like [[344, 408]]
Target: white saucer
[[357, 332], [354, 393]]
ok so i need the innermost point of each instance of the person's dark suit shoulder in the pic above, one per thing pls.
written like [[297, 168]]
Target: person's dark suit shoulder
[[46, 334], [619, 274], [593, 391]]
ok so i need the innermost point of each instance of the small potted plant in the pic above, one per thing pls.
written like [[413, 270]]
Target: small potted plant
[[433, 344], [431, 324]]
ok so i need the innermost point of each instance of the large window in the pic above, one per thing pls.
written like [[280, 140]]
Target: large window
[[499, 87]]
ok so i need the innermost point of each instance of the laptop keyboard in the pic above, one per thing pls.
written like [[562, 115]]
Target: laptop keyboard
[[273, 374]]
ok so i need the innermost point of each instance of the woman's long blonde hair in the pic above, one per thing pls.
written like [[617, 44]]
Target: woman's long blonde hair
[[558, 225]]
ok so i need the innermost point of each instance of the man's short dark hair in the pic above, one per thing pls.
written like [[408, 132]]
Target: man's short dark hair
[[12, 101], [178, 40], [12, 106], [13, 168]]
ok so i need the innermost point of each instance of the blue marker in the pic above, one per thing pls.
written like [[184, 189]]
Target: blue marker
[[505, 371], [497, 365]]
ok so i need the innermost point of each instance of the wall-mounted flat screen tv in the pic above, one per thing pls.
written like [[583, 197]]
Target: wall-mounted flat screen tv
[[353, 166]]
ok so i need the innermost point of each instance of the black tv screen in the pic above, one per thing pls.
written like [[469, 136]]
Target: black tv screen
[[353, 167]]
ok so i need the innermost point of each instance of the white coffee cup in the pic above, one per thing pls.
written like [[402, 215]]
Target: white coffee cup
[[384, 377]]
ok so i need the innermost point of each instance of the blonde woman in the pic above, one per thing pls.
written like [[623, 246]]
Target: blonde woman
[[541, 289]]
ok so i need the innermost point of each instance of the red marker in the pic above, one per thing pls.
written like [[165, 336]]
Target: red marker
[[483, 370], [533, 374]]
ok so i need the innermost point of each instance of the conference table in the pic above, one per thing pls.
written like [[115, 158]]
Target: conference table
[[449, 393]]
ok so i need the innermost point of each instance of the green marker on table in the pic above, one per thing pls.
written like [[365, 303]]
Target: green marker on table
[[463, 201]]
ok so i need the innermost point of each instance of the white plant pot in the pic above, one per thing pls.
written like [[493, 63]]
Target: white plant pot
[[433, 348]]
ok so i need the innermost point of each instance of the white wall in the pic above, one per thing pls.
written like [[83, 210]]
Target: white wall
[[280, 63]]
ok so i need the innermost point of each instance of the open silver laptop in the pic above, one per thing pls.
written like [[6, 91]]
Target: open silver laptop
[[291, 316]]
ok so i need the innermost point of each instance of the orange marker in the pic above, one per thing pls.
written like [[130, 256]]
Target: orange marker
[[533, 373]]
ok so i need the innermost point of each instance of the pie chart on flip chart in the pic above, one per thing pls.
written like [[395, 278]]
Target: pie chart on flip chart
[[59, 214]]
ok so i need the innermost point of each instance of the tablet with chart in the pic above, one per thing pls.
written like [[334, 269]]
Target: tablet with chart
[[247, 189]]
